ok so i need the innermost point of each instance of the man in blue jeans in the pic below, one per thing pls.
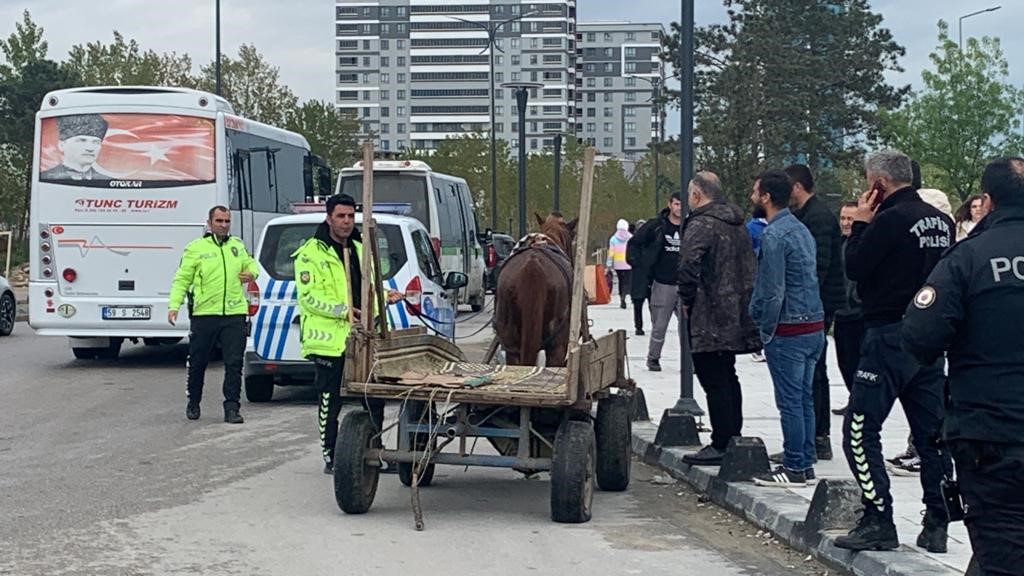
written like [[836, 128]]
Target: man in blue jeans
[[786, 306]]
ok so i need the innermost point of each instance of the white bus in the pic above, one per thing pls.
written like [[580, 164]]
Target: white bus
[[123, 178], [442, 203]]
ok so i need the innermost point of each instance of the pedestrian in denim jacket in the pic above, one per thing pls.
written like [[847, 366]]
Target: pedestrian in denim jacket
[[786, 306]]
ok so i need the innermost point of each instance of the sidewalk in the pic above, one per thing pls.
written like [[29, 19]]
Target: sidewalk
[[773, 508]]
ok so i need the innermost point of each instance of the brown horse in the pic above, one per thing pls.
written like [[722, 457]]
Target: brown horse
[[534, 294]]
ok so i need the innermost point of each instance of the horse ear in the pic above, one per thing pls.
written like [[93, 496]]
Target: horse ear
[[540, 221], [572, 224]]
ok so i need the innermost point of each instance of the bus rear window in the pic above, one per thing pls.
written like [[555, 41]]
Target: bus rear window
[[393, 187], [127, 150], [281, 241]]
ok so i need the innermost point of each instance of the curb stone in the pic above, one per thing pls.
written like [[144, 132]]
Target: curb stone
[[781, 513]]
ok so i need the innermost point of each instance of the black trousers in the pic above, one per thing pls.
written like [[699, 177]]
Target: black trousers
[[820, 391], [992, 484], [716, 372], [205, 332], [848, 334], [327, 383], [625, 278], [886, 374], [638, 313]]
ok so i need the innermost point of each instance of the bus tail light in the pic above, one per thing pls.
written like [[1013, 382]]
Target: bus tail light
[[413, 293], [492, 256], [252, 294], [69, 275], [436, 244]]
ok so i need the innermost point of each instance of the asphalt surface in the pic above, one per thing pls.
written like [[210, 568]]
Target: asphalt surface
[[100, 473]]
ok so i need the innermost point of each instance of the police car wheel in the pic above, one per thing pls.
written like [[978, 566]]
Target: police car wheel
[[7, 314], [259, 388]]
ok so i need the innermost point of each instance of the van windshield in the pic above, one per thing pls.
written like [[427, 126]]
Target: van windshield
[[393, 187], [282, 240]]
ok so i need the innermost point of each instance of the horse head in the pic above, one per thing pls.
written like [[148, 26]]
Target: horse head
[[561, 232]]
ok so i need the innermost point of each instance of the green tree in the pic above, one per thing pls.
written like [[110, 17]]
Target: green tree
[[331, 133], [252, 86], [788, 80], [967, 113], [123, 63], [26, 76]]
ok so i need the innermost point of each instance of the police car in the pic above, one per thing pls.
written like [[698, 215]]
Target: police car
[[408, 265]]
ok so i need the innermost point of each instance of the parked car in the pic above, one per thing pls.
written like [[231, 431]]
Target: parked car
[[498, 249], [8, 308], [408, 264]]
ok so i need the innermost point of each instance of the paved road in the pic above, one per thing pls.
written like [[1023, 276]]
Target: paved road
[[100, 473]]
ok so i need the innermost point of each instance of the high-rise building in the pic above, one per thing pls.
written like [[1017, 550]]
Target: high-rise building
[[417, 71], [619, 66]]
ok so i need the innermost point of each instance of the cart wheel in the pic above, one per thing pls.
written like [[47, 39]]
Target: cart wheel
[[614, 443], [572, 472], [405, 475], [355, 479]]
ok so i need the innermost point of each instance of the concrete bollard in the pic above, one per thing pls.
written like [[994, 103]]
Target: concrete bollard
[[640, 413], [836, 505], [677, 430], [745, 457]]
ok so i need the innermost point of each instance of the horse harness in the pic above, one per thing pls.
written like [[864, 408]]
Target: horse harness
[[554, 253]]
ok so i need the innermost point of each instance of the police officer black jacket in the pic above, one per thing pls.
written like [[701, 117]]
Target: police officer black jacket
[[891, 257], [972, 305]]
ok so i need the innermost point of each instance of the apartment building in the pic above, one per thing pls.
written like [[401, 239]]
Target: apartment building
[[617, 65], [417, 71]]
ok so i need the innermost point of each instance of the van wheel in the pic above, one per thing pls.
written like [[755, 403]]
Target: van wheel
[[259, 388]]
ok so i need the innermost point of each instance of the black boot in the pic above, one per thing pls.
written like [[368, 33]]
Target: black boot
[[934, 535], [874, 531], [231, 416], [823, 447], [192, 410]]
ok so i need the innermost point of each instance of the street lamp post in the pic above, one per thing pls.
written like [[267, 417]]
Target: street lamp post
[[558, 171], [522, 97], [960, 24], [656, 85], [686, 405], [216, 65], [492, 28]]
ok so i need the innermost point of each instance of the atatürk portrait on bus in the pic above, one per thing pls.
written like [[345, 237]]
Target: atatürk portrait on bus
[[80, 140]]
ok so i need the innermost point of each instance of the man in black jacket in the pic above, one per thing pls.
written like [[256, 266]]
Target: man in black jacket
[[640, 284], [658, 242], [897, 239], [716, 279], [824, 227], [973, 306]]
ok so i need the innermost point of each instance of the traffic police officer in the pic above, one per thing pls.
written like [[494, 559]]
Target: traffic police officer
[[328, 270], [895, 242], [973, 307], [213, 272]]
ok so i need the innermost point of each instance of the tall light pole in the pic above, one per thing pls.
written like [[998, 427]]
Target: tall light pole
[[686, 405], [216, 65], [556, 192], [960, 24], [492, 29], [656, 85], [522, 97]]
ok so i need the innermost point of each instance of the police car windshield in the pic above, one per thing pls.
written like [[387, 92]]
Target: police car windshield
[[282, 240], [393, 187]]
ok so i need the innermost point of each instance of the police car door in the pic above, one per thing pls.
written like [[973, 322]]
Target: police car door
[[275, 330], [437, 303]]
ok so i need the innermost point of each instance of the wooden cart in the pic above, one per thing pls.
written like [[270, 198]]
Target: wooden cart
[[537, 419]]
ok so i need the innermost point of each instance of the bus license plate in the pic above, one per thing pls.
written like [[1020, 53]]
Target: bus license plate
[[127, 312]]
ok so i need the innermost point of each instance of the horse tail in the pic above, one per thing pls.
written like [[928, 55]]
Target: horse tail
[[531, 333]]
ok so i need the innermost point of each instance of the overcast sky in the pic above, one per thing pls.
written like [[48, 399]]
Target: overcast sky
[[297, 35]]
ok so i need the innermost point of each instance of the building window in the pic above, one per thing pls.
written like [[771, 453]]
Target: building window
[[591, 82], [366, 112], [592, 97], [516, 77], [630, 36], [500, 76], [401, 78], [403, 28], [401, 61], [401, 111], [385, 144], [366, 44], [515, 60], [609, 97], [631, 142], [385, 94], [609, 53], [630, 52], [366, 96], [401, 11], [533, 60], [533, 76], [590, 67], [608, 142], [499, 60], [630, 126], [607, 36], [591, 37], [655, 36], [629, 112], [385, 62], [609, 67], [630, 82], [366, 12], [385, 112], [591, 112], [630, 96], [385, 28], [630, 67], [534, 43], [401, 46], [609, 82], [608, 127], [608, 113], [401, 129], [516, 43], [385, 44], [385, 128], [533, 143], [385, 78], [591, 127], [401, 94]]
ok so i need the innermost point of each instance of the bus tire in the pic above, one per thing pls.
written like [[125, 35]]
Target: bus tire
[[111, 351], [259, 388], [85, 353]]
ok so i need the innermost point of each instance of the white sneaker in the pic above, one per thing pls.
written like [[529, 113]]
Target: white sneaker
[[757, 357]]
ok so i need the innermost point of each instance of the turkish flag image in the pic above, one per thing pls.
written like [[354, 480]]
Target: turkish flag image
[[154, 149]]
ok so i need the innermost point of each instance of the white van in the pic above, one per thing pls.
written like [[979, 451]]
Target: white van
[[442, 203], [408, 265]]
